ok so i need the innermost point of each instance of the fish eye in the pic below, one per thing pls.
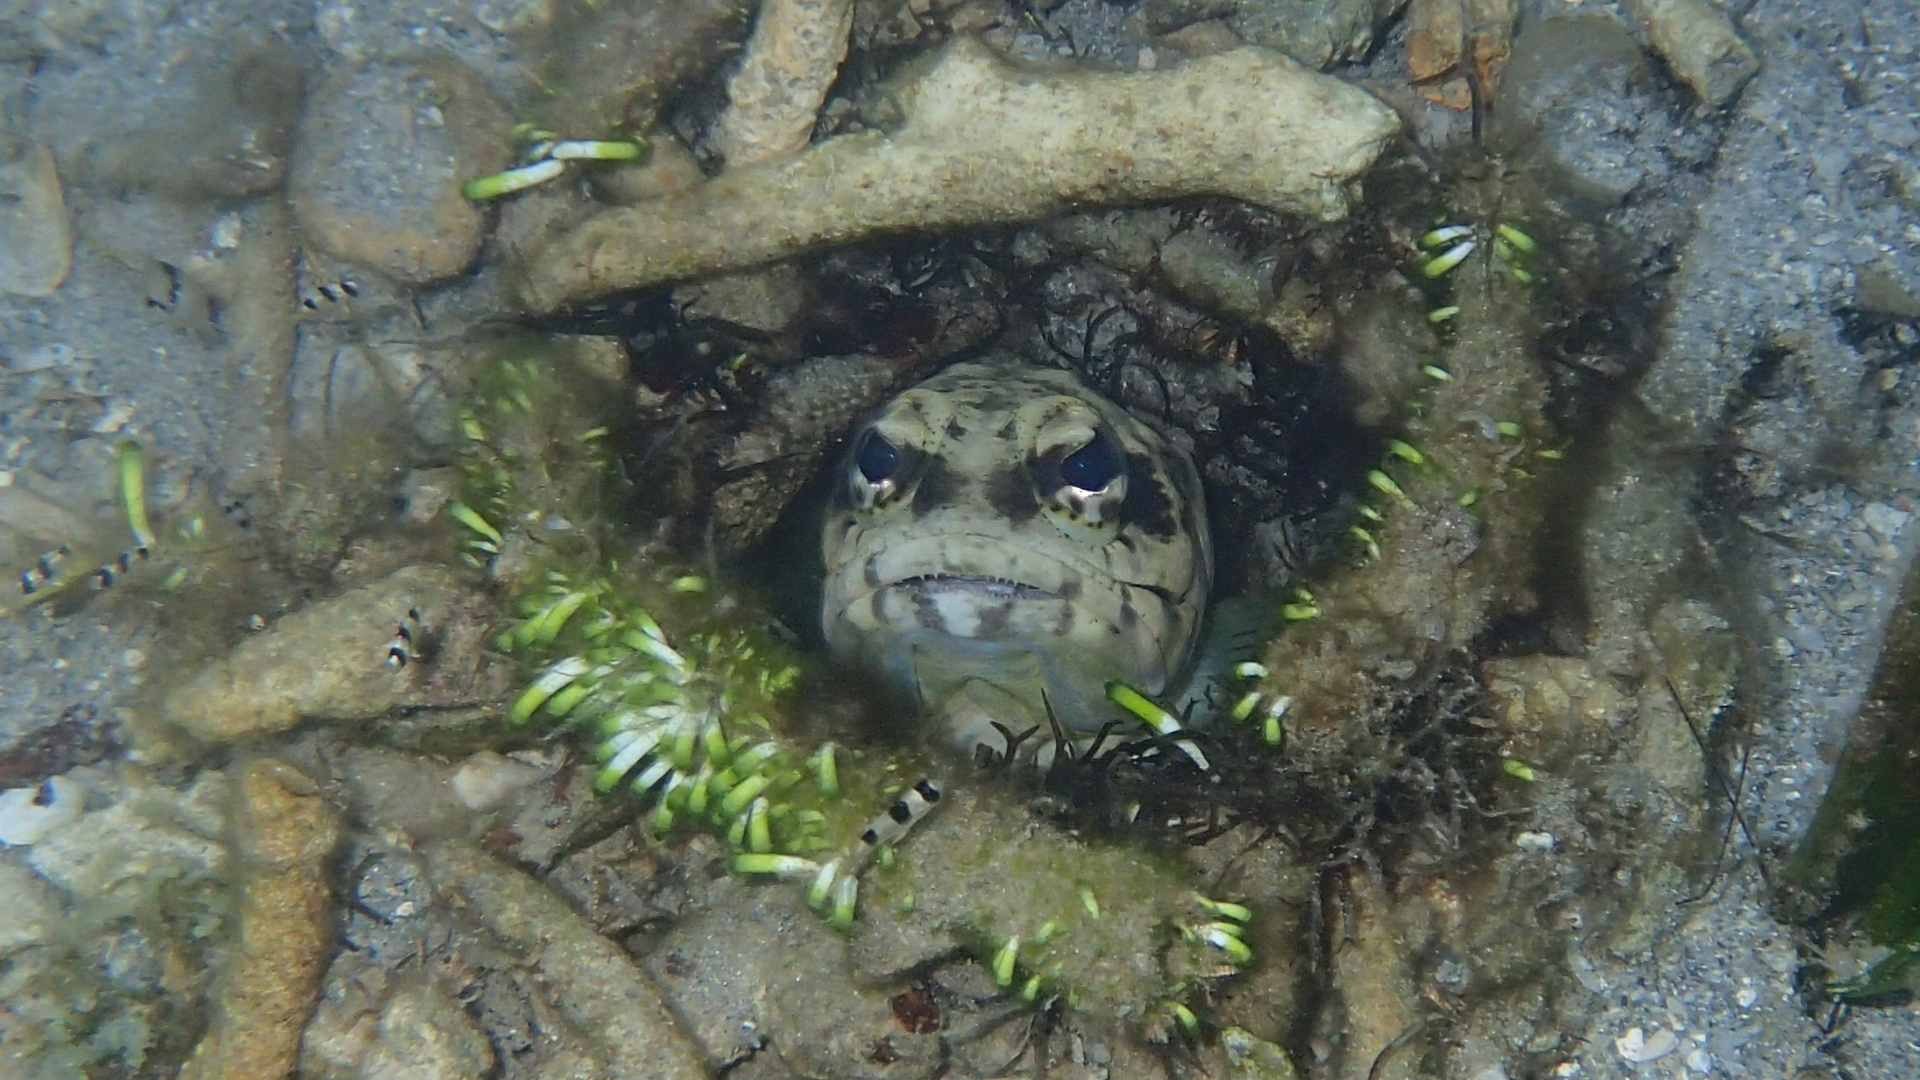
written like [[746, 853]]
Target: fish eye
[[1093, 466], [877, 459]]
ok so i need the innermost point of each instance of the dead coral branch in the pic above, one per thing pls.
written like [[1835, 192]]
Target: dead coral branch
[[985, 142]]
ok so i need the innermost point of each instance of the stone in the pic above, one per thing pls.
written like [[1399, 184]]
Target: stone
[[381, 153], [29, 908], [36, 232], [624, 1015], [119, 848], [325, 661], [487, 780], [1700, 44], [423, 1035]]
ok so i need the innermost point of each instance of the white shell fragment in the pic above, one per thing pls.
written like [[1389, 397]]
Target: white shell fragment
[[28, 814], [1534, 841], [1639, 1047]]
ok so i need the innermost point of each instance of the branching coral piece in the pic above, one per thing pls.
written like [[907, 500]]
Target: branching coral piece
[[985, 142], [792, 59], [286, 834]]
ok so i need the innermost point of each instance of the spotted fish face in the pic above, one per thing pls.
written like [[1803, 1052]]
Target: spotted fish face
[[1003, 541]]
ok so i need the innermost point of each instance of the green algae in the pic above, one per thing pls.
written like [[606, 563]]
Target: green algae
[[1857, 872]]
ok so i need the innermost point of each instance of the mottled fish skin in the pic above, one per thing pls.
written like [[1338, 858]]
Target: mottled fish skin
[[982, 585]]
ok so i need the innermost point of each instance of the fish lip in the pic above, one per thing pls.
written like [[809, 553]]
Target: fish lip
[[978, 584]]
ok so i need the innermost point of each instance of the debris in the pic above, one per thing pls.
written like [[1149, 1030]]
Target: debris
[[986, 143], [1700, 43], [36, 232]]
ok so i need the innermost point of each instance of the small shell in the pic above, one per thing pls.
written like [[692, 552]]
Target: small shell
[[28, 814]]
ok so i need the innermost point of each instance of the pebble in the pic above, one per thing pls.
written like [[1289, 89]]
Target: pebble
[[36, 232], [1699, 1060], [1636, 1046], [29, 908], [487, 780], [381, 153], [1534, 841], [1745, 997], [1885, 522], [28, 814], [41, 357], [424, 1035]]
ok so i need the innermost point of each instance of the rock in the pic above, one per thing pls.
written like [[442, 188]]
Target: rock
[[1251, 1058], [984, 142], [1583, 94], [607, 67], [28, 814], [284, 834], [36, 233], [746, 962], [381, 153], [401, 790], [422, 1035], [29, 908], [487, 780], [1699, 42], [325, 661], [668, 169], [623, 1014], [215, 131], [767, 300], [119, 848], [1166, 16], [1316, 32]]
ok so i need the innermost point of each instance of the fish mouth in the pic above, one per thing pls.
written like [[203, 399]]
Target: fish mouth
[[982, 585]]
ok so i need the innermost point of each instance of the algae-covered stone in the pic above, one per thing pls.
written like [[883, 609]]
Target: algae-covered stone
[[381, 155], [985, 142], [1251, 1058], [1096, 921], [327, 661]]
